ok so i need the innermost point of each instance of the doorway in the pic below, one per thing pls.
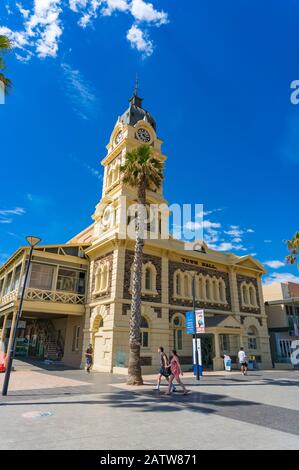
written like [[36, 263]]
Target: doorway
[[207, 350]]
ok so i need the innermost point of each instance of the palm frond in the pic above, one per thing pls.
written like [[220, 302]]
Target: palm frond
[[5, 44]]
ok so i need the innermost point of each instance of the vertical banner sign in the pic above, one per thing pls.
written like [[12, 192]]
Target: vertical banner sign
[[200, 321], [199, 356], [190, 323]]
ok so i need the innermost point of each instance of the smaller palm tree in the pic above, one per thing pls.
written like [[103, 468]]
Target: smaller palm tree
[[142, 171], [293, 247], [5, 46]]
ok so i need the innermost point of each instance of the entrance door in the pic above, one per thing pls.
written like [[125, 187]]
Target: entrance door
[[207, 350]]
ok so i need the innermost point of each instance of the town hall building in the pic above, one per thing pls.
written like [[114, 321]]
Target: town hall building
[[79, 292]]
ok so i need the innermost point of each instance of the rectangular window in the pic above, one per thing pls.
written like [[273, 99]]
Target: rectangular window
[[7, 287], [71, 281], [16, 280], [144, 339], [41, 276], [76, 338], [252, 343]]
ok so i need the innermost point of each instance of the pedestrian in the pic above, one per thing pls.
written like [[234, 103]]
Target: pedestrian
[[164, 370], [88, 356], [243, 361], [176, 371]]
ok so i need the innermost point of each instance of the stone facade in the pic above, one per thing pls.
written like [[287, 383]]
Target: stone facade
[[173, 266], [253, 280], [156, 261], [97, 262]]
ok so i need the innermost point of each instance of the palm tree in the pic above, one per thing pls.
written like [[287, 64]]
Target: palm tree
[[142, 171], [5, 46], [293, 247]]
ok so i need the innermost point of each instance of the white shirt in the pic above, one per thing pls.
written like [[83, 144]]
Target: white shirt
[[242, 357]]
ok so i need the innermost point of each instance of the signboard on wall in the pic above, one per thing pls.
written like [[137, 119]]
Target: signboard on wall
[[200, 321]]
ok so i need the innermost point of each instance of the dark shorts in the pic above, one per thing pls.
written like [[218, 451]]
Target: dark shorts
[[88, 361], [165, 371], [244, 364]]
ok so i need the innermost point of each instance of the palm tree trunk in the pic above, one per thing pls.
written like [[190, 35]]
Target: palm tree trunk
[[134, 366]]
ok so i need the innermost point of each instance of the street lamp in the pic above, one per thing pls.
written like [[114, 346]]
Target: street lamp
[[32, 241], [195, 332]]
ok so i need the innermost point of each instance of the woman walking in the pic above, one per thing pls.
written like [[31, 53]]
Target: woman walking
[[164, 370], [176, 371]]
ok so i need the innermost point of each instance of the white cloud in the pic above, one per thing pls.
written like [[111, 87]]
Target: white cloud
[[267, 241], [227, 246], [42, 25], [6, 214], [139, 40], [280, 277], [274, 264], [207, 224], [250, 230], [115, 5], [144, 11], [79, 92]]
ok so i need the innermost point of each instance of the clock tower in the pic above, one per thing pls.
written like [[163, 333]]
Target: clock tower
[[134, 127]]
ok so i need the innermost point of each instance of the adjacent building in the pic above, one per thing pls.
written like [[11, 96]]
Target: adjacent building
[[79, 292], [282, 309]]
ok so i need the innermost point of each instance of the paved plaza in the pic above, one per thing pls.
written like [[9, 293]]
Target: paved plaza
[[57, 408]]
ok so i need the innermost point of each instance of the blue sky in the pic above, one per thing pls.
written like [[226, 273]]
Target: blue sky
[[215, 74]]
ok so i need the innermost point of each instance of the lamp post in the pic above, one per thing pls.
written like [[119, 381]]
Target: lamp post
[[32, 241], [195, 333]]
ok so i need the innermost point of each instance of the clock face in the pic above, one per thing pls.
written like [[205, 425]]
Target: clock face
[[143, 135], [119, 137]]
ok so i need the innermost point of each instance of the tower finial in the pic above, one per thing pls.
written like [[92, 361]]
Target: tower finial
[[136, 88]]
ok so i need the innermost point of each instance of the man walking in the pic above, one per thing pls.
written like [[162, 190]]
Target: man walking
[[88, 357], [243, 361]]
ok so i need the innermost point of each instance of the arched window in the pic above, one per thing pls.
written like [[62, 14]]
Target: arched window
[[177, 283], [102, 278], [252, 338], [148, 279], [98, 280], [200, 287], [245, 298], [178, 329], [187, 286], [222, 291], [208, 288], [252, 295], [215, 290], [144, 328], [149, 275]]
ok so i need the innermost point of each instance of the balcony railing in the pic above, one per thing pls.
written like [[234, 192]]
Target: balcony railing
[[10, 297], [45, 296], [54, 296]]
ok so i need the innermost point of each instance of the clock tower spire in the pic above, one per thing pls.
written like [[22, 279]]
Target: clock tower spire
[[134, 127]]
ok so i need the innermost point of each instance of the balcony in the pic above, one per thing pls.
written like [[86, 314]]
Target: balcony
[[49, 301], [9, 298], [54, 296]]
